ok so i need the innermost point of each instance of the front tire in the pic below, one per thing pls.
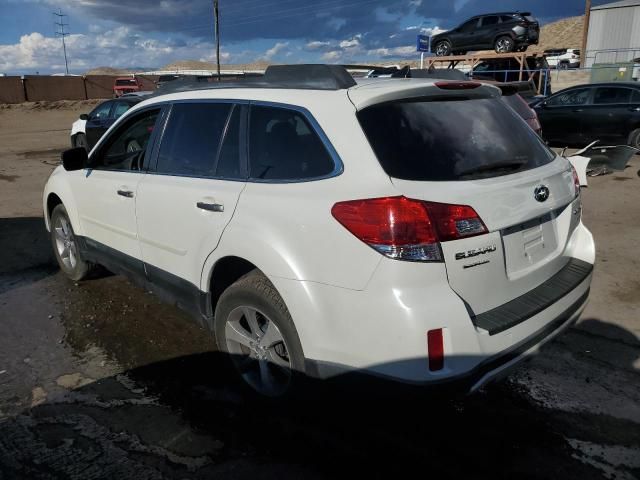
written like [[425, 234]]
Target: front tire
[[443, 48], [65, 246], [504, 44], [253, 326]]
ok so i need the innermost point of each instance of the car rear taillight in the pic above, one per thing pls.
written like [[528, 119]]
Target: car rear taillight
[[405, 229], [464, 85], [576, 181], [435, 349]]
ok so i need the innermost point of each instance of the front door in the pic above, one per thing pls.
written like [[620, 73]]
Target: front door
[[561, 116], [189, 197], [98, 123], [106, 191]]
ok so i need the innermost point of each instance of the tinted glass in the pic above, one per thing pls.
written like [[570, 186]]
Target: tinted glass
[[518, 105], [492, 20], [125, 82], [125, 148], [101, 111], [191, 138], [607, 95], [229, 159], [120, 108], [635, 96], [284, 146], [470, 25], [579, 96], [506, 18], [451, 140]]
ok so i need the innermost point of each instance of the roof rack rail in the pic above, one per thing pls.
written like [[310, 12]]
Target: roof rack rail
[[439, 73], [305, 77]]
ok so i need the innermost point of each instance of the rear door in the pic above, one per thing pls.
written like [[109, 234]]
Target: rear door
[[481, 154], [488, 30], [189, 196], [612, 115], [561, 116]]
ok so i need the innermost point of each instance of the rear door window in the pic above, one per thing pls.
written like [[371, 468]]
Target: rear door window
[[119, 108], [611, 95], [451, 139], [191, 139], [283, 145], [490, 20]]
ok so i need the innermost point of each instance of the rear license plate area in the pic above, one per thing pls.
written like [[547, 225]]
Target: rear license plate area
[[528, 244]]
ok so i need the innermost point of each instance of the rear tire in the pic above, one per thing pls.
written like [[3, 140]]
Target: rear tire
[[443, 48], [253, 326], [66, 248], [504, 44]]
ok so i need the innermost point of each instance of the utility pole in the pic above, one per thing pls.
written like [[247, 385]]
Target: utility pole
[[585, 34], [216, 15], [60, 31]]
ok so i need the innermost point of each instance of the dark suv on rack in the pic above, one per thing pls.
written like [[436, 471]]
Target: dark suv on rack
[[503, 32]]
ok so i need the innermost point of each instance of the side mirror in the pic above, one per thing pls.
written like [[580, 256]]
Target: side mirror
[[84, 116], [74, 159]]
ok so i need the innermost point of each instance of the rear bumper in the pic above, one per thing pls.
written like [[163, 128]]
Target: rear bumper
[[381, 331]]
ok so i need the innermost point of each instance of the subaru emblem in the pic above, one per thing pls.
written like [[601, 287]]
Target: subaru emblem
[[541, 193]]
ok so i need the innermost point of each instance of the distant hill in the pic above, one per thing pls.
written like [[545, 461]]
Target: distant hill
[[565, 33], [107, 71], [200, 65]]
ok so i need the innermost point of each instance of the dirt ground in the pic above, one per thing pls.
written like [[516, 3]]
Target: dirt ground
[[98, 379]]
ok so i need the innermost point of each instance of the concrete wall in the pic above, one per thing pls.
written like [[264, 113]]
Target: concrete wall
[[613, 28], [11, 90]]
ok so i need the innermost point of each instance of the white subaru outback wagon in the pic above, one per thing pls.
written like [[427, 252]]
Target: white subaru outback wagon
[[412, 229]]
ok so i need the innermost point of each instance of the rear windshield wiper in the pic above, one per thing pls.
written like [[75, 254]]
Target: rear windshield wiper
[[491, 167]]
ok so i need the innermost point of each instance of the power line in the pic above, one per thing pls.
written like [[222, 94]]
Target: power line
[[62, 34]]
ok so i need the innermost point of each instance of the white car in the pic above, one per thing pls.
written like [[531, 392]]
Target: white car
[[563, 58], [410, 229]]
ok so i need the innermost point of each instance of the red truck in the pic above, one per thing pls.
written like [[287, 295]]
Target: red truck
[[124, 85]]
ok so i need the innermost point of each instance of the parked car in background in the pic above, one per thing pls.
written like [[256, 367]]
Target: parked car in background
[[563, 58], [503, 32], [518, 104], [124, 85], [88, 129], [162, 79], [508, 70], [576, 116], [321, 227]]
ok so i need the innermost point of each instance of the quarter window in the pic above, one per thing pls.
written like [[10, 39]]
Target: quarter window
[[284, 146], [125, 148], [579, 96], [607, 95], [191, 139]]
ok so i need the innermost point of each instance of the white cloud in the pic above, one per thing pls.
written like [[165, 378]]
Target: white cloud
[[316, 45], [275, 50], [407, 51], [332, 55], [119, 47], [350, 43]]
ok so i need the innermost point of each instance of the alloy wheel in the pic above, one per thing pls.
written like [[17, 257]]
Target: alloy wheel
[[503, 45], [258, 350], [65, 242]]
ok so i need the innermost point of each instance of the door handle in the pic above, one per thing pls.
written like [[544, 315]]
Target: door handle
[[125, 193], [212, 207]]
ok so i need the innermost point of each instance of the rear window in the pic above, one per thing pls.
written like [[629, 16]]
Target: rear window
[[126, 82], [451, 139], [518, 105]]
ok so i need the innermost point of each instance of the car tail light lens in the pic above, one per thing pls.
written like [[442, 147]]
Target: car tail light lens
[[435, 349], [406, 229], [457, 85], [576, 181]]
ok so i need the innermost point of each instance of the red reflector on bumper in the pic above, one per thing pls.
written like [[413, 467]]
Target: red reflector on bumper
[[435, 349]]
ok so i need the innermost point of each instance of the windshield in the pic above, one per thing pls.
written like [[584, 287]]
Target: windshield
[[126, 82], [451, 139]]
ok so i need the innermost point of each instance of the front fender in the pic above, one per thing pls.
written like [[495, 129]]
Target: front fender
[[59, 185]]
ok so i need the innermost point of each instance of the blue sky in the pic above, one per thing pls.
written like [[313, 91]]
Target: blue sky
[[153, 33]]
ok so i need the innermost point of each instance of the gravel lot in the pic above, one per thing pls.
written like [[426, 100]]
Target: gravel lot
[[101, 380]]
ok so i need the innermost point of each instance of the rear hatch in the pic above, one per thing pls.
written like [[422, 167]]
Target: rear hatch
[[532, 25], [454, 149]]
